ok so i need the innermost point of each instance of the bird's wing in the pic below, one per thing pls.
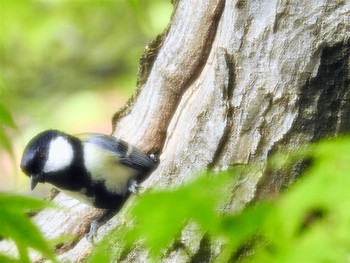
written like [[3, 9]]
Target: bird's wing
[[125, 153]]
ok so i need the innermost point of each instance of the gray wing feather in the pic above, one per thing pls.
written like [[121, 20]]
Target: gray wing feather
[[127, 154]]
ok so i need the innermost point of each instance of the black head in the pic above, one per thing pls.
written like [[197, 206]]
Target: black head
[[48, 152]]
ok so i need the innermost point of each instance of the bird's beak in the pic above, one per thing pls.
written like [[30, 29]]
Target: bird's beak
[[33, 182]]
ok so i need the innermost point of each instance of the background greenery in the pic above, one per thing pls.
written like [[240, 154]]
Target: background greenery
[[69, 65], [309, 222]]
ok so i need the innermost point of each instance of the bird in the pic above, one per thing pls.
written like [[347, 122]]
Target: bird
[[97, 169]]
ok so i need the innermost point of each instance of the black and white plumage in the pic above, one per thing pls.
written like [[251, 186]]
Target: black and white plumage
[[97, 169]]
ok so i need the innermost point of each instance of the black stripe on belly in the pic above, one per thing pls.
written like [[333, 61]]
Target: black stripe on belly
[[104, 199]]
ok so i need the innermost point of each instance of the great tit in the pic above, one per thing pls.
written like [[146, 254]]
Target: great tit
[[97, 169]]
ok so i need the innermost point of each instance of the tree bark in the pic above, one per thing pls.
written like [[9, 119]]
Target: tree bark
[[230, 83]]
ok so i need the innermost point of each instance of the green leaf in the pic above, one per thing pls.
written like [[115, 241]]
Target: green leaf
[[21, 204], [241, 226], [17, 226], [23, 231], [309, 222], [6, 259], [160, 216], [311, 219], [110, 248], [5, 142], [6, 118]]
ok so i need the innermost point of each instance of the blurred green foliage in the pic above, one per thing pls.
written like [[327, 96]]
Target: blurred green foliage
[[69, 65], [6, 123], [56, 47], [310, 222], [16, 225]]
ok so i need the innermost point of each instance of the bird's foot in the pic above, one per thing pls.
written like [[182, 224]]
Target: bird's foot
[[91, 236], [94, 226], [134, 187]]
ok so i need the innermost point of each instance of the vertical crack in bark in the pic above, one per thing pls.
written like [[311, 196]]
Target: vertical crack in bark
[[207, 46], [227, 97], [203, 57], [266, 105], [178, 67]]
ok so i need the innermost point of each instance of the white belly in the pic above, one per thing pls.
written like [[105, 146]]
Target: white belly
[[80, 196]]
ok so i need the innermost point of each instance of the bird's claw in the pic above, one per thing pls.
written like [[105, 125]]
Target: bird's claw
[[134, 187], [91, 236]]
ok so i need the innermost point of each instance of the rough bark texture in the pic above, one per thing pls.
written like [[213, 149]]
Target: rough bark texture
[[231, 83], [181, 58]]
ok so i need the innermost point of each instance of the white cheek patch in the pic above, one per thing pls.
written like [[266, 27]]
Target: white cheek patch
[[60, 155]]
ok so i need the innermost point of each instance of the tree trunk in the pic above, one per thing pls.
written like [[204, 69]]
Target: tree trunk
[[229, 83]]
